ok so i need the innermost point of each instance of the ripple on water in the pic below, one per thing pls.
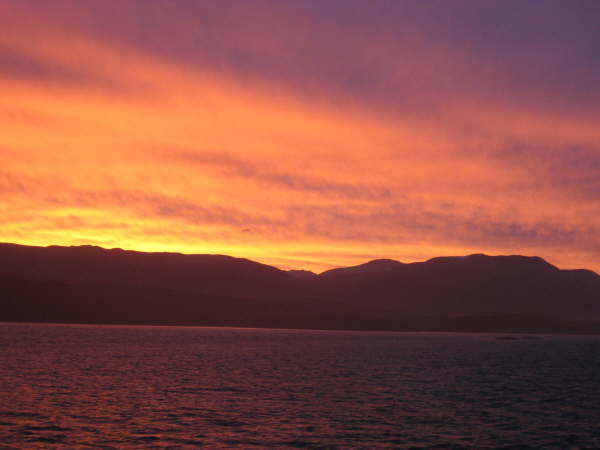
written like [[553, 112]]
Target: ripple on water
[[138, 387]]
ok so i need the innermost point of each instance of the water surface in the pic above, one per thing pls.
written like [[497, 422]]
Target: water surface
[[85, 386]]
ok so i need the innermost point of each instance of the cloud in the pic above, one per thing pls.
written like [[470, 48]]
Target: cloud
[[336, 129], [234, 167], [410, 57], [15, 64]]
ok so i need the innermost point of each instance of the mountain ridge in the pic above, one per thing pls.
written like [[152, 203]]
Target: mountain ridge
[[90, 283], [219, 255]]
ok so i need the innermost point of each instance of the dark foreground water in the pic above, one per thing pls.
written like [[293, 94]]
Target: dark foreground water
[[142, 387]]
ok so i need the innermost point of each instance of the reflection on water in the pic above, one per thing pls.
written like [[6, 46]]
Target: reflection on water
[[113, 386]]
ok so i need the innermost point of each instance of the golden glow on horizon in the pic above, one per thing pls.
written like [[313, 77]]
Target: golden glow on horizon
[[141, 153]]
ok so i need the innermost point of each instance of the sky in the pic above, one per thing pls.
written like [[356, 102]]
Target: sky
[[303, 134]]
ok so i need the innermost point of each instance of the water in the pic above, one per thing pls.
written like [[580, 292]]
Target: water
[[77, 386]]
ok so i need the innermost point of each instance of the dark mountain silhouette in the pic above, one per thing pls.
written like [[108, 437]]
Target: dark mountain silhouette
[[470, 285], [95, 266], [302, 274], [89, 284]]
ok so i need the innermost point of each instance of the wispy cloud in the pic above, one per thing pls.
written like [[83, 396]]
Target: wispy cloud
[[278, 130]]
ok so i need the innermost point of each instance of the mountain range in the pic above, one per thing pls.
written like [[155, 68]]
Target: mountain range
[[88, 284]]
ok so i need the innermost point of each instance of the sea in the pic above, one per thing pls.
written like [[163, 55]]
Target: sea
[[90, 386]]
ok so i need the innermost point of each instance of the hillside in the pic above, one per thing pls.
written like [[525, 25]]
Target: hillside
[[472, 293]]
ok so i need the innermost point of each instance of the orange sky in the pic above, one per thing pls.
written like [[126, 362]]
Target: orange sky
[[264, 130]]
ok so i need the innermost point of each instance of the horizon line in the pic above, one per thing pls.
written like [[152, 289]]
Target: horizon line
[[287, 270]]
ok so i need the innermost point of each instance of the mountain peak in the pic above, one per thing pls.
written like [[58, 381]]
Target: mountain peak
[[374, 266], [481, 258], [302, 274]]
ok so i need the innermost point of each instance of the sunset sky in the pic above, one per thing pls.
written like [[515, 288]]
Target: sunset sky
[[303, 134]]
